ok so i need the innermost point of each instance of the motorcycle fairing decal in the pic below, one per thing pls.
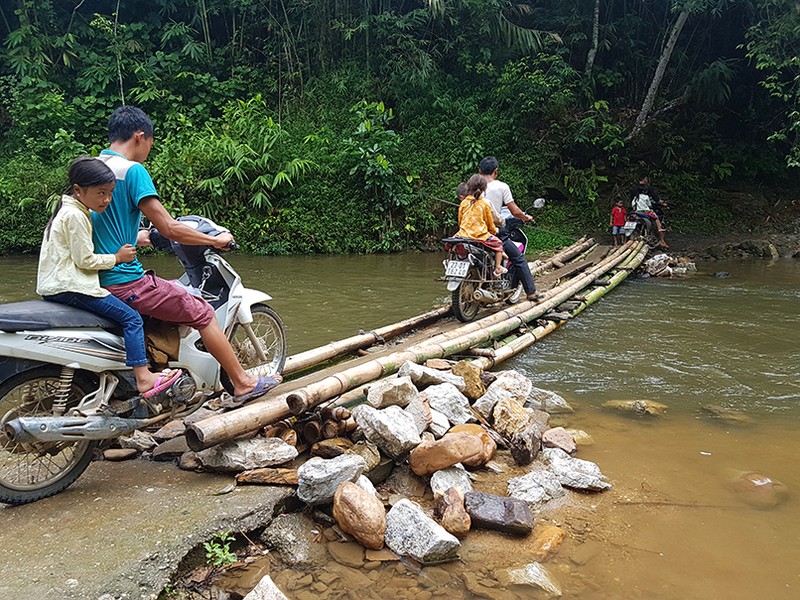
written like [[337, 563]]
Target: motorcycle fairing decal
[[78, 345]]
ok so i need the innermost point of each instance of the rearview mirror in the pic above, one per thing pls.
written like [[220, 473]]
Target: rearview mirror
[[539, 203]]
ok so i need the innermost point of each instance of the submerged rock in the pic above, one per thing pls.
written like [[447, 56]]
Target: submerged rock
[[547, 540], [575, 472], [509, 515], [243, 455], [265, 590], [292, 537], [319, 478], [758, 490], [637, 407], [726, 415], [410, 532], [532, 575]]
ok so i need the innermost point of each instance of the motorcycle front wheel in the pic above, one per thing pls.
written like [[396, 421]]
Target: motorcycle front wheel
[[30, 472], [260, 345], [465, 307]]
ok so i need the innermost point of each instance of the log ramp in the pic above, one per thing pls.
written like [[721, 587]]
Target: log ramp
[[574, 278]]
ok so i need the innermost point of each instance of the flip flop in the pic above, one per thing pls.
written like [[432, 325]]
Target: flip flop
[[163, 382], [265, 384]]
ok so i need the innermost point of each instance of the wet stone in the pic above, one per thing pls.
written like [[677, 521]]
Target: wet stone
[[433, 578], [558, 437], [382, 555], [637, 407], [291, 536], [410, 532], [449, 508], [758, 490], [532, 575], [319, 478], [499, 513], [266, 590], [350, 554], [581, 437], [547, 540]]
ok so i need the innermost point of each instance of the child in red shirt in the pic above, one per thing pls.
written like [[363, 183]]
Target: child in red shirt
[[618, 222]]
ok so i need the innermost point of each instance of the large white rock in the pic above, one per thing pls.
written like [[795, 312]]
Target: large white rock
[[420, 412], [392, 429], [486, 403], [455, 476], [515, 382], [396, 391], [242, 455], [318, 478], [446, 398], [548, 401], [536, 487], [439, 424], [410, 532], [574, 472], [266, 590], [425, 376]]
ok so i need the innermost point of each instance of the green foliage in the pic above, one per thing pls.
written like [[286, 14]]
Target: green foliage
[[218, 549]]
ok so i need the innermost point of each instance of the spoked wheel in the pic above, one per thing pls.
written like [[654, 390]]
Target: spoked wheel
[[465, 307], [30, 472], [260, 345]]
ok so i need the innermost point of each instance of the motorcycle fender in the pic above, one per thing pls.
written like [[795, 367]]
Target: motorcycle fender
[[10, 366], [452, 285], [249, 298]]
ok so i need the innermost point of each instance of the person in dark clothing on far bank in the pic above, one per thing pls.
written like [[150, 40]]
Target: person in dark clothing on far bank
[[498, 194]]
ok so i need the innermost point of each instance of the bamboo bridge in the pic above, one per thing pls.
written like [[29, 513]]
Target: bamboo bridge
[[338, 373]]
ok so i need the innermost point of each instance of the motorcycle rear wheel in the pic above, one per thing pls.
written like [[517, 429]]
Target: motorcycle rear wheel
[[261, 345], [465, 307], [30, 472]]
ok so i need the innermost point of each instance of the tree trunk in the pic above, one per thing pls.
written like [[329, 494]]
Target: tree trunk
[[649, 100], [595, 39]]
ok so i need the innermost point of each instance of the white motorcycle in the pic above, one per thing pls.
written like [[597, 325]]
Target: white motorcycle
[[64, 385]]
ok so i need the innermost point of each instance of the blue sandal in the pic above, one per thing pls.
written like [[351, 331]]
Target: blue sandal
[[265, 384]]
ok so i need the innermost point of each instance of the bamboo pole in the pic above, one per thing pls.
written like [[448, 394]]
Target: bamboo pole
[[251, 417], [314, 356], [494, 357]]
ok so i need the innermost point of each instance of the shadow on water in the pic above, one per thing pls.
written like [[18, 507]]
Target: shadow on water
[[672, 527]]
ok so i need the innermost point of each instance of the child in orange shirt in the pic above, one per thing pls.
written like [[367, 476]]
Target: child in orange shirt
[[475, 220]]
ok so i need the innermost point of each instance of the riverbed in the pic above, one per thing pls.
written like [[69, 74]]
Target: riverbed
[[671, 528]]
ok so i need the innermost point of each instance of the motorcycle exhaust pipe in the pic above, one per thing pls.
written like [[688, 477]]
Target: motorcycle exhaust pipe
[[482, 295], [29, 430]]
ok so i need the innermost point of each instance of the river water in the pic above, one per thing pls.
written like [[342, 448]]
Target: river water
[[672, 527]]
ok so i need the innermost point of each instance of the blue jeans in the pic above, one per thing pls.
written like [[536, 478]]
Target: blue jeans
[[520, 271], [116, 310]]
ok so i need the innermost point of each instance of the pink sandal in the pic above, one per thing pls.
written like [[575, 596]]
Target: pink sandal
[[163, 382]]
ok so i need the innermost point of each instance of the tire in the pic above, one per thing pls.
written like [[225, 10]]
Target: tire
[[465, 307], [268, 329], [30, 472], [649, 233]]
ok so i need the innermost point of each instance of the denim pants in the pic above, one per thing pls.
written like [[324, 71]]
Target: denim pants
[[116, 310], [519, 264]]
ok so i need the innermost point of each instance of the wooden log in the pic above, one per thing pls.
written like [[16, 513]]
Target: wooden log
[[253, 416]]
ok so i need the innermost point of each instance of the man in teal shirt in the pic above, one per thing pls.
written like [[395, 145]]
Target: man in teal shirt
[[130, 133]]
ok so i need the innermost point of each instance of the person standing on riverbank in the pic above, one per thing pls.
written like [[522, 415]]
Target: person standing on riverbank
[[618, 222], [130, 136], [498, 194]]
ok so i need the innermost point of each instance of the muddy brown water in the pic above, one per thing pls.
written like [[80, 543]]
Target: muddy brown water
[[671, 528]]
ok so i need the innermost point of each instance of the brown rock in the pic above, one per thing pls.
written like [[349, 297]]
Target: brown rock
[[510, 417], [171, 449], [268, 476], [472, 379], [170, 430], [440, 364], [189, 461], [449, 508], [349, 554], [360, 514], [526, 444], [758, 490], [383, 555], [429, 457], [368, 451], [547, 540], [115, 454], [559, 438], [489, 445], [331, 448]]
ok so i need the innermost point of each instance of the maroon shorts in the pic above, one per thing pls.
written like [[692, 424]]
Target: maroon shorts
[[493, 243], [155, 297]]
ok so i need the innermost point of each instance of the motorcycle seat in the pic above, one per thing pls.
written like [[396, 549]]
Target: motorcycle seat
[[461, 240], [36, 315]]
